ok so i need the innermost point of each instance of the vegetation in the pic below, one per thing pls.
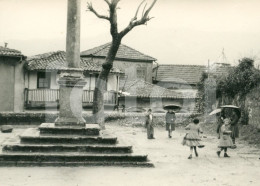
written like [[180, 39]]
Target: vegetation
[[239, 81]]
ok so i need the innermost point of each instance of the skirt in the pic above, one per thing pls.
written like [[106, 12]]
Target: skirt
[[170, 126], [225, 142], [191, 142]]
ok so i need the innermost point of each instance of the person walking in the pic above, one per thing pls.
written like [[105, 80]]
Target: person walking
[[170, 122], [192, 138], [149, 124], [225, 141], [234, 126], [220, 121]]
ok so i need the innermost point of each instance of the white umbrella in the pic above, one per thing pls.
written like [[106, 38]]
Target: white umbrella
[[215, 111], [230, 106]]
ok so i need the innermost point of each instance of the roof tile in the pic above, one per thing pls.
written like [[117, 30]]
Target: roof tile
[[180, 73], [124, 52], [9, 52], [139, 88], [57, 61]]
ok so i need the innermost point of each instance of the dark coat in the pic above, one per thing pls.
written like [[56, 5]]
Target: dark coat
[[234, 125], [170, 117]]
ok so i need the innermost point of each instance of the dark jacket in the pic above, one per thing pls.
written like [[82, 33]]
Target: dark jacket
[[170, 117]]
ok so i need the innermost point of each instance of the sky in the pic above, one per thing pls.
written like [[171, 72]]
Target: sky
[[181, 32]]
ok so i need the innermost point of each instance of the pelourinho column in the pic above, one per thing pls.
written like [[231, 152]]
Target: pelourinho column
[[71, 79]]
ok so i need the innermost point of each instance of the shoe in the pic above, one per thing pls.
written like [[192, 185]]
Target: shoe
[[170, 136], [218, 153], [196, 154], [226, 155], [190, 157]]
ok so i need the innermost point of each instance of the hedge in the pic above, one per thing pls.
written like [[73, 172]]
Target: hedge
[[34, 118]]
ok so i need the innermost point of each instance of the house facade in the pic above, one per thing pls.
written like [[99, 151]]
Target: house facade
[[11, 80], [42, 73], [133, 64]]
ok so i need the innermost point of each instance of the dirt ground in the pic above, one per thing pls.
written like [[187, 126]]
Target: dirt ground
[[168, 155]]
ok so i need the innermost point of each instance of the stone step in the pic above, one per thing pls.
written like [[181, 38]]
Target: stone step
[[50, 128], [74, 164], [70, 157], [67, 148], [68, 140]]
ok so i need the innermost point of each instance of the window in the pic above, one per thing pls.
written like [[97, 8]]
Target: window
[[43, 79], [141, 73]]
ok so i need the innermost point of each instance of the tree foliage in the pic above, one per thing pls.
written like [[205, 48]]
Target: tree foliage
[[239, 81]]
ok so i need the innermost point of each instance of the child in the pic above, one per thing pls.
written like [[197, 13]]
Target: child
[[192, 138], [225, 139]]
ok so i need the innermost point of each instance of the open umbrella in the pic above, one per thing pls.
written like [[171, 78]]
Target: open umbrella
[[230, 106], [215, 111], [172, 107], [233, 107]]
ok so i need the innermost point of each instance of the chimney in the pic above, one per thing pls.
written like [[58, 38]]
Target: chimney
[[6, 45]]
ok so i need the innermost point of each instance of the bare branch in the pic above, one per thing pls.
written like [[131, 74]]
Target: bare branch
[[136, 13], [91, 9], [144, 9], [149, 9], [134, 22]]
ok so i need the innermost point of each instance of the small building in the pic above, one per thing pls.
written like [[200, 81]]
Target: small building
[[134, 64], [42, 73], [178, 76], [11, 80], [146, 95]]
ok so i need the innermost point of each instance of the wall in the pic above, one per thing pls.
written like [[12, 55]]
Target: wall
[[7, 84], [129, 68], [12, 79], [112, 82], [32, 78], [19, 87], [54, 78]]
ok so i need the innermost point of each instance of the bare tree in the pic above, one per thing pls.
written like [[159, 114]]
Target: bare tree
[[98, 102]]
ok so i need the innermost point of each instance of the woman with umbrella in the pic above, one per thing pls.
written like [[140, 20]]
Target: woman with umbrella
[[170, 122], [170, 117]]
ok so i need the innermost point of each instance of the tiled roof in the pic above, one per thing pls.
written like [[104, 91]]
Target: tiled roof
[[139, 88], [190, 74], [57, 61], [124, 52], [9, 52]]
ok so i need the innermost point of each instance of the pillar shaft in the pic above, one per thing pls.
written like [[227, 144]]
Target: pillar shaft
[[71, 80], [73, 34]]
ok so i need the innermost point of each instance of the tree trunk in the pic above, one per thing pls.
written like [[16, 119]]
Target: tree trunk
[[98, 102]]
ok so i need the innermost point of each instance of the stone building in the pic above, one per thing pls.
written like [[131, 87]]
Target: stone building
[[134, 64]]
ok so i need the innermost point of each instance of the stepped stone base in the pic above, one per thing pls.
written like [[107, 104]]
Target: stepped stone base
[[51, 145]]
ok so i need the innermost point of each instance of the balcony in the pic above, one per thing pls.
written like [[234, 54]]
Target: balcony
[[50, 98]]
